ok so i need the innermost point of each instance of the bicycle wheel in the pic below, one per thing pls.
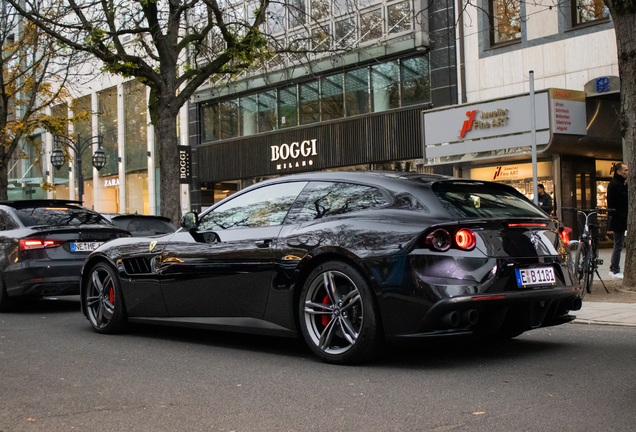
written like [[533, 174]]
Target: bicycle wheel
[[579, 260], [588, 271]]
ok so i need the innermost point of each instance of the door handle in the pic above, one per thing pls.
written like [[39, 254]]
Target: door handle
[[263, 243]]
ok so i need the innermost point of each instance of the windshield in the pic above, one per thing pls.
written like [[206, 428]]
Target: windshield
[[484, 200], [59, 216]]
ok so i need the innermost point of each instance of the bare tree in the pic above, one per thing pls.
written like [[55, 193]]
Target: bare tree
[[32, 79], [175, 46]]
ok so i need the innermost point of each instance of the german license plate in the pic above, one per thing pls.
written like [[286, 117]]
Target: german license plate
[[535, 276], [85, 246]]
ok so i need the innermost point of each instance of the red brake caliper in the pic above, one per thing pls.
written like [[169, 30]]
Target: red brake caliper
[[111, 294], [325, 318]]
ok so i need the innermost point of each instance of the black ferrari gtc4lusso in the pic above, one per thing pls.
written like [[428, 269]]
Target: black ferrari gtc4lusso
[[347, 261]]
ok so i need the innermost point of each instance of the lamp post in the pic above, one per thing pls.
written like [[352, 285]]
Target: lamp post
[[79, 146]]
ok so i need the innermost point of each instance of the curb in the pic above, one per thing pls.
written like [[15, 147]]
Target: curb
[[625, 291], [603, 323]]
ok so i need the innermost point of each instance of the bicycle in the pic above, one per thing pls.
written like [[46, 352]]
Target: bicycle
[[586, 259]]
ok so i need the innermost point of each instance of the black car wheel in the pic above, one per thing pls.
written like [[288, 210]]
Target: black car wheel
[[339, 317], [104, 300]]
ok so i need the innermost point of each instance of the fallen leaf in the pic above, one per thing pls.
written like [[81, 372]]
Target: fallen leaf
[[30, 419], [479, 413]]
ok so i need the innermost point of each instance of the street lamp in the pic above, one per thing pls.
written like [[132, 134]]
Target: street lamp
[[78, 146]]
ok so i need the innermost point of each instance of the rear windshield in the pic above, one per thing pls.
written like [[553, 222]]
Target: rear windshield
[[59, 216], [469, 200]]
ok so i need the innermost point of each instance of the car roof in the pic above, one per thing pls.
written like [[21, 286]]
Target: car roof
[[40, 203]]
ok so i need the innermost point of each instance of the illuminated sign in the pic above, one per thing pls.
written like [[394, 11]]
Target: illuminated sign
[[111, 182], [184, 164], [294, 151]]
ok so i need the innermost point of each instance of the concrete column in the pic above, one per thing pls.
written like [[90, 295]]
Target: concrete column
[[150, 133], [97, 187], [121, 148], [71, 164], [48, 149]]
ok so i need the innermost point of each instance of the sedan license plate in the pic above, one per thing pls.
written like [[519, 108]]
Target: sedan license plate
[[85, 246], [535, 276]]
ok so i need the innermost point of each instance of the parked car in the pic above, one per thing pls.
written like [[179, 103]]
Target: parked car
[[140, 225], [346, 261], [43, 246]]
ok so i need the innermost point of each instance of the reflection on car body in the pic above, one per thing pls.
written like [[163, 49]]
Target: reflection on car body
[[346, 261]]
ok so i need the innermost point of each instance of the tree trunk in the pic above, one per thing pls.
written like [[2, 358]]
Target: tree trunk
[[4, 179], [166, 135], [624, 17]]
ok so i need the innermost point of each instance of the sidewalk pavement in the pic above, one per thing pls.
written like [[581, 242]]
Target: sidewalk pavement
[[622, 314]]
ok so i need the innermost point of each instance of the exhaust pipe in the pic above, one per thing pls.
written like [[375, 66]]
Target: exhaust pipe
[[470, 317], [576, 304], [451, 319]]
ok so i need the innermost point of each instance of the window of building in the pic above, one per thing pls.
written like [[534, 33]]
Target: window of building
[[400, 17], [275, 18], [584, 11], [371, 25], [108, 128], [332, 97], [346, 32], [309, 103], [287, 109], [357, 92], [375, 88], [267, 111], [296, 13], [319, 9], [505, 21], [385, 83]]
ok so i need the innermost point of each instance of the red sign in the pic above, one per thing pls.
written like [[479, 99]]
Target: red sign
[[468, 124]]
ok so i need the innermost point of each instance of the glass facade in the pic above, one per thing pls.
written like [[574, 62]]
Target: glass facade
[[136, 142], [376, 88]]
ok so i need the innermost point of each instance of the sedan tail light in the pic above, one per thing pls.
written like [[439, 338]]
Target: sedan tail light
[[30, 244]]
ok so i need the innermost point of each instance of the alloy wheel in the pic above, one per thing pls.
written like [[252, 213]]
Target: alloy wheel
[[100, 298]]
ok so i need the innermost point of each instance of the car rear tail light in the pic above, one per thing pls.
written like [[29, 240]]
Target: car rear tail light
[[439, 240], [565, 236], [465, 239], [56, 208], [31, 244]]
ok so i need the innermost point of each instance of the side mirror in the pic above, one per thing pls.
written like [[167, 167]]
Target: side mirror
[[190, 221]]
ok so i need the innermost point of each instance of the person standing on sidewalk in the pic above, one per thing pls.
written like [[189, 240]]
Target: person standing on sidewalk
[[617, 200], [545, 200]]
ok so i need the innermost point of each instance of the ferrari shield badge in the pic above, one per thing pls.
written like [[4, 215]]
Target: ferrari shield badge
[[152, 245]]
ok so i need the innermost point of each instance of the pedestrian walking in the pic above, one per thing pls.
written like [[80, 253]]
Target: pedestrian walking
[[617, 201], [545, 200]]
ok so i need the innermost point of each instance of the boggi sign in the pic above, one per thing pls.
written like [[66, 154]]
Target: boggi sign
[[293, 151]]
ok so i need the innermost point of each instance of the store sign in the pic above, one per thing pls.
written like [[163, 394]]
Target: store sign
[[568, 112], [111, 182], [485, 127], [185, 174], [510, 172], [605, 168], [603, 85], [291, 153]]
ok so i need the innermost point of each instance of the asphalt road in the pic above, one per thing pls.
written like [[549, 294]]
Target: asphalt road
[[57, 375]]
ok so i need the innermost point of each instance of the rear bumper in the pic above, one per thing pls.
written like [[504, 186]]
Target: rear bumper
[[44, 277], [493, 313]]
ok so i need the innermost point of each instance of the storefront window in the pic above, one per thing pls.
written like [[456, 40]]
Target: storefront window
[[309, 103], [385, 81], [211, 122], [108, 128], [357, 92], [416, 85], [108, 195], [137, 192], [267, 111], [229, 119], [248, 110], [332, 97], [287, 110]]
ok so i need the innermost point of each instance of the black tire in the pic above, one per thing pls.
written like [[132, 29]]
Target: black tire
[[588, 272], [340, 324], [580, 265], [5, 301], [104, 300]]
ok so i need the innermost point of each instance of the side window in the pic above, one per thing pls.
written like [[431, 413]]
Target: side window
[[262, 207], [331, 199], [6, 222]]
